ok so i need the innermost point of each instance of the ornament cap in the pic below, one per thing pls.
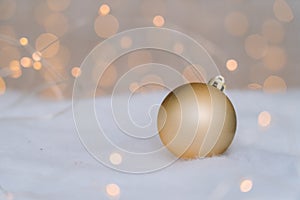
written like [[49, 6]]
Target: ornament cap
[[218, 82]]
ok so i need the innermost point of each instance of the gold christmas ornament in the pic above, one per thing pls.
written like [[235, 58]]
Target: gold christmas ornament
[[197, 120]]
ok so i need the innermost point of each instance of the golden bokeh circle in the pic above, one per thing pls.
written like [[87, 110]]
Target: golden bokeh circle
[[106, 26]]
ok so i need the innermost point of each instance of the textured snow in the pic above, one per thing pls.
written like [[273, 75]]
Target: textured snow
[[41, 156]]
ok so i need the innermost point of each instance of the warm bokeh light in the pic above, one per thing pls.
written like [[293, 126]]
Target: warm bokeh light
[[256, 46], [36, 56], [178, 48], [2, 86], [113, 190], [115, 158], [273, 31], [15, 68], [126, 42], [104, 10], [37, 65], [23, 41], [282, 11], [106, 26], [231, 64], [26, 62], [56, 23], [246, 185], [7, 9], [158, 21], [275, 58], [264, 119], [236, 24], [274, 84], [76, 72], [254, 86], [109, 77], [47, 44], [58, 5]]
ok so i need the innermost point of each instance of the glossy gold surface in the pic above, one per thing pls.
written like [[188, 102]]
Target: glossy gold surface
[[196, 120]]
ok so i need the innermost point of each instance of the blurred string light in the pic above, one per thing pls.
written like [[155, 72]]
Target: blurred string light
[[76, 72], [23, 41], [26, 62], [104, 10], [115, 158], [37, 65], [282, 11], [274, 84], [264, 119], [246, 185], [231, 64], [158, 21], [113, 190], [15, 69]]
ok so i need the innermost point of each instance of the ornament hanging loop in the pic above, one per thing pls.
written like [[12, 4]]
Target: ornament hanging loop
[[218, 82]]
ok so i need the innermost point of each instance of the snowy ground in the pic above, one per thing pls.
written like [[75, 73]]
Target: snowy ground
[[41, 156]]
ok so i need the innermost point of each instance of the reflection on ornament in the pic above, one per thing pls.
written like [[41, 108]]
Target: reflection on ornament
[[197, 120]]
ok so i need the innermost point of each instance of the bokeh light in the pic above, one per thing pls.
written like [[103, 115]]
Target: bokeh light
[[36, 56], [274, 84], [113, 190], [236, 24], [126, 42], [256, 46], [23, 41], [2, 86], [58, 5], [104, 10], [158, 21], [246, 185], [115, 158], [76, 72], [37, 65], [15, 69], [231, 64], [110, 23], [26, 62], [264, 119], [47, 44], [275, 58], [282, 11]]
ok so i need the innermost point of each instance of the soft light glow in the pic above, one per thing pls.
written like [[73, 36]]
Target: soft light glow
[[37, 56], [246, 185], [274, 84], [15, 69], [106, 26], [58, 5], [231, 64], [113, 190], [264, 119], [2, 86], [275, 58], [126, 42], [56, 23], [47, 44], [104, 10], [158, 21], [37, 65], [256, 46], [178, 48], [26, 62], [236, 24], [76, 72], [115, 158], [273, 31], [23, 41], [282, 11]]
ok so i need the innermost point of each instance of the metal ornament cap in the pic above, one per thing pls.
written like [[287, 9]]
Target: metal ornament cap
[[197, 120]]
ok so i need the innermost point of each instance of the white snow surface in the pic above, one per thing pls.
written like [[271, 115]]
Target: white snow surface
[[42, 157]]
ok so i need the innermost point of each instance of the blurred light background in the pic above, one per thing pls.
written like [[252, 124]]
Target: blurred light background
[[254, 43]]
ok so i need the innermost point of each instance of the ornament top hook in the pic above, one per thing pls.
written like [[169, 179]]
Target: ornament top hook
[[218, 82]]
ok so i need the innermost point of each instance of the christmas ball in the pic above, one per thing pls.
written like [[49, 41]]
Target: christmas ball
[[197, 120]]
